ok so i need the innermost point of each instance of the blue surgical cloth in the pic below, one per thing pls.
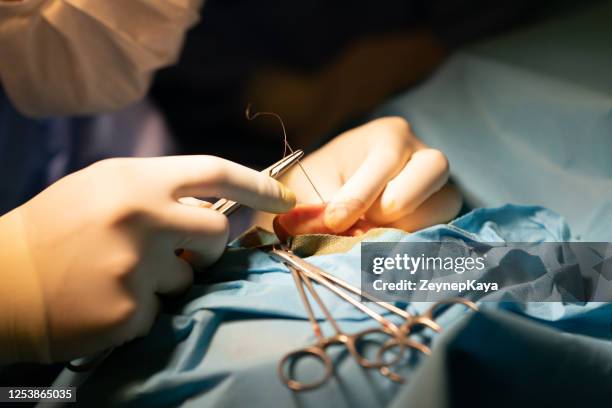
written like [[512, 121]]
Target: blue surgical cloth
[[527, 119], [220, 344]]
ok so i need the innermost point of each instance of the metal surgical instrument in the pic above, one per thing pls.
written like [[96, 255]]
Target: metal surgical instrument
[[303, 272], [227, 207]]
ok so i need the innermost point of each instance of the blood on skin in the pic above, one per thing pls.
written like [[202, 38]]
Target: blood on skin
[[308, 219]]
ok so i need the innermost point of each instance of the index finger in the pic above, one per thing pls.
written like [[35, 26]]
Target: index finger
[[209, 176], [425, 173], [384, 160], [360, 191]]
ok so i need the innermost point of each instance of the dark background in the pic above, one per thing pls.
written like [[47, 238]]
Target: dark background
[[320, 64]]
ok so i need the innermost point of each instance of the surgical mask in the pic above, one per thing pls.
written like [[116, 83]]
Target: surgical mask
[[60, 57]]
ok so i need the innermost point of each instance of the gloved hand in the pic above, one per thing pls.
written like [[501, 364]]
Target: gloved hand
[[380, 172], [83, 262]]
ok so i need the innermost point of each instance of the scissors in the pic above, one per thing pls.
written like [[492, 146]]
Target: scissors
[[224, 206], [398, 337]]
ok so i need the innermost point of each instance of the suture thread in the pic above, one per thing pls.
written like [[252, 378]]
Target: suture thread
[[287, 146]]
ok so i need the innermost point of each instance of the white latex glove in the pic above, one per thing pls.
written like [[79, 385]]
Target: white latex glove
[[380, 172], [83, 262]]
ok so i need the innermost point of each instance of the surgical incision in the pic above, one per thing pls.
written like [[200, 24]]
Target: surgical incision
[[308, 219]]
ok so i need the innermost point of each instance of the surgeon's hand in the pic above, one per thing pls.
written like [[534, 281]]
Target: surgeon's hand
[[93, 252], [380, 172]]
